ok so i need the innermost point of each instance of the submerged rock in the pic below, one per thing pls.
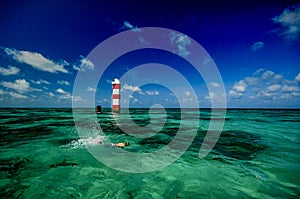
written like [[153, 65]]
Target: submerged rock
[[239, 145], [64, 163], [14, 166]]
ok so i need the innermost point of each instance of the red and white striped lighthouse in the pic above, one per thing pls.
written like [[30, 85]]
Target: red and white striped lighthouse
[[116, 85]]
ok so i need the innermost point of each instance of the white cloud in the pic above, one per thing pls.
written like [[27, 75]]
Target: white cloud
[[108, 81], [267, 88], [76, 98], [90, 89], [214, 84], [2, 92], [210, 96], [181, 41], [266, 94], [273, 88], [235, 94], [278, 77], [11, 70], [187, 94], [268, 75], [37, 61], [263, 75], [103, 101], [63, 95], [68, 96], [84, 64], [40, 81], [290, 22], [134, 100], [61, 91], [188, 98], [131, 88], [143, 41], [259, 71], [290, 95], [76, 68], [251, 81], [285, 96], [239, 86], [20, 85], [297, 78], [296, 94], [63, 82], [207, 61], [127, 25], [16, 95], [152, 92], [287, 88], [257, 45]]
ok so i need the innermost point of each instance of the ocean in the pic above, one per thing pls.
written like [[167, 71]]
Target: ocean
[[45, 153]]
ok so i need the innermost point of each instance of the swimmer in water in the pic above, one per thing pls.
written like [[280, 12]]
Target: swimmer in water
[[120, 144]]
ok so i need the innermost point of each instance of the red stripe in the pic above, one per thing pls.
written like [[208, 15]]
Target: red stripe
[[115, 106], [116, 86], [116, 96]]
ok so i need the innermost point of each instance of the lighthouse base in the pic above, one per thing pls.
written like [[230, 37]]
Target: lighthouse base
[[115, 110]]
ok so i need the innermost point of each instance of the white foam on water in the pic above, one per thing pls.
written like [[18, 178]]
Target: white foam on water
[[84, 142]]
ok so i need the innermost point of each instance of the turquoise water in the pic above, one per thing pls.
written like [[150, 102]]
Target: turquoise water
[[43, 156]]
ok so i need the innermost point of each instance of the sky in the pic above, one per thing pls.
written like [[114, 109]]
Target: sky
[[51, 56]]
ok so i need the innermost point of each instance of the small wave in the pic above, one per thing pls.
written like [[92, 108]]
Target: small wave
[[84, 142]]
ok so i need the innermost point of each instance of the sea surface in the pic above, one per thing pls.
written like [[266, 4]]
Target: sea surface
[[44, 153]]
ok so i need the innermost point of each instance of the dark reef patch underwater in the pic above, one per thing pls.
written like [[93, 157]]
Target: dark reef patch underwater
[[43, 156]]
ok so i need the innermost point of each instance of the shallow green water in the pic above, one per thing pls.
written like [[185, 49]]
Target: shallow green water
[[43, 156]]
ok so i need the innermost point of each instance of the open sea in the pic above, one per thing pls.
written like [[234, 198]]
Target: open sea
[[43, 155]]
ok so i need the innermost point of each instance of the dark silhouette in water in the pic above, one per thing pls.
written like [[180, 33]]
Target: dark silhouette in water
[[98, 109]]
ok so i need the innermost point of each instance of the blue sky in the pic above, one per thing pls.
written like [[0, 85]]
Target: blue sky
[[255, 45]]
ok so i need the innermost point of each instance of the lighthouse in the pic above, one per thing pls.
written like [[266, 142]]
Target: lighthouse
[[116, 85]]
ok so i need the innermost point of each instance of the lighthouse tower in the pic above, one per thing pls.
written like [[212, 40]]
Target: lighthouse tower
[[116, 85]]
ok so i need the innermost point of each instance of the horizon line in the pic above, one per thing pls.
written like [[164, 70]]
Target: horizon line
[[227, 108]]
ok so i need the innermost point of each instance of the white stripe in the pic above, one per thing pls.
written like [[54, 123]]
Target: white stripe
[[116, 101], [116, 91]]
